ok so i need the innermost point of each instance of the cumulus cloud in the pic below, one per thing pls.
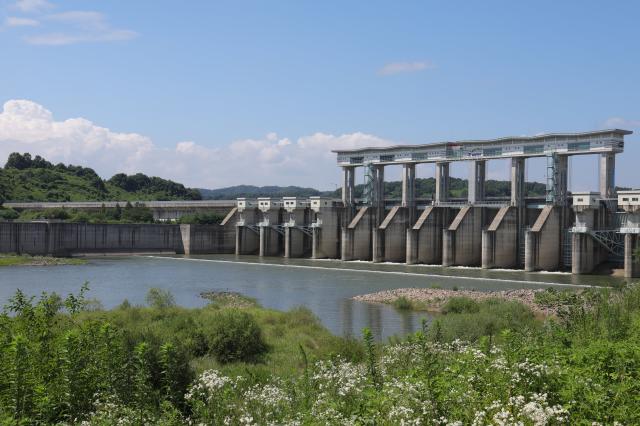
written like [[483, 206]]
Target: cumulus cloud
[[13, 21], [26, 126], [619, 122], [404, 67]]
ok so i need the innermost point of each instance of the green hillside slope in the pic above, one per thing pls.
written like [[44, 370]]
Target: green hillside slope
[[35, 179]]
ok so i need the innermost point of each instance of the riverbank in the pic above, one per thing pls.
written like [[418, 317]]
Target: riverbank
[[26, 260], [434, 299]]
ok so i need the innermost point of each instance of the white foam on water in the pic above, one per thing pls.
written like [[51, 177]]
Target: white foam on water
[[371, 271]]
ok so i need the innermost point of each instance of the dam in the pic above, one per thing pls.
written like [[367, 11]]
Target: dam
[[560, 231]]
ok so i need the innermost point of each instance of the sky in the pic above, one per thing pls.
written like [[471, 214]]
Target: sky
[[220, 93]]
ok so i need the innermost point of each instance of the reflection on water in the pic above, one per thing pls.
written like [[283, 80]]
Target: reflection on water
[[325, 287]]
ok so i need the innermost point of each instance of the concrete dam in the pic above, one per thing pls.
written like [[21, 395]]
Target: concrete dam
[[563, 231], [560, 231]]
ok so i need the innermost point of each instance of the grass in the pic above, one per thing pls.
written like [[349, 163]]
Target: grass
[[26, 260], [284, 333]]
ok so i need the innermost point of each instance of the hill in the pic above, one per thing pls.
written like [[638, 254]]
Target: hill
[[250, 191], [35, 179], [424, 189]]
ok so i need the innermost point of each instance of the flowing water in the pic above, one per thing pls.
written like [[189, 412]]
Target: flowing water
[[324, 286]]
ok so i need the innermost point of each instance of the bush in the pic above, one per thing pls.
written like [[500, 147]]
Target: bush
[[8, 214], [160, 299], [236, 336], [469, 320], [460, 305], [403, 303]]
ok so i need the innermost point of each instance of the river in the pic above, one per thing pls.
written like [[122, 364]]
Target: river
[[324, 286]]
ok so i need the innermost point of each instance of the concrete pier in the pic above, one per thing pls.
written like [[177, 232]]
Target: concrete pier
[[424, 239], [543, 243], [325, 227], [271, 236], [631, 258], [586, 253], [296, 225], [629, 201], [356, 237], [247, 233], [442, 182], [462, 241], [607, 175], [476, 181], [500, 240], [393, 236]]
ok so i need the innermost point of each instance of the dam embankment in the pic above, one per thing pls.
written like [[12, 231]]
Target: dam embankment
[[66, 239]]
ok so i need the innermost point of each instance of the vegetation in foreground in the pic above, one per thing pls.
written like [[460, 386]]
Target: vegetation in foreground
[[227, 365], [27, 260]]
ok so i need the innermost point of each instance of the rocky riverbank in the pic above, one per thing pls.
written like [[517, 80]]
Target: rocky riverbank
[[432, 299]]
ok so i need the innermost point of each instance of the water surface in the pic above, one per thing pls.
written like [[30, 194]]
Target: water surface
[[326, 287]]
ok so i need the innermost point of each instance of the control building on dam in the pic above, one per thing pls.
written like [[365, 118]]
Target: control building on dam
[[560, 231]]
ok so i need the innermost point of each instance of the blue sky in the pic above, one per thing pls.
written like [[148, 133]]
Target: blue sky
[[220, 93]]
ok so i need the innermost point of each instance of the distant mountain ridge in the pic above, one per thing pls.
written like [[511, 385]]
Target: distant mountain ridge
[[252, 191], [393, 189]]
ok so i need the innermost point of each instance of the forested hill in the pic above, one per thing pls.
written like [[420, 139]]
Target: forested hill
[[250, 191], [24, 178], [424, 189]]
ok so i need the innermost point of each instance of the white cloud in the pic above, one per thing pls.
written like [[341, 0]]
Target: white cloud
[[621, 123], [66, 27], [404, 67], [26, 126], [32, 6], [79, 26], [13, 21]]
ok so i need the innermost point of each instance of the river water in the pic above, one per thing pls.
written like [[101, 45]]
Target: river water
[[324, 286]]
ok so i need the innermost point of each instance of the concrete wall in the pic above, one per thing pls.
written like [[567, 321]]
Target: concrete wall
[[462, 241], [424, 239], [208, 239], [63, 239], [543, 242], [356, 237], [500, 240]]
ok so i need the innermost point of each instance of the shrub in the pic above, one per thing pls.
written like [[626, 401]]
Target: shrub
[[403, 303], [160, 299], [8, 214], [236, 336], [460, 305]]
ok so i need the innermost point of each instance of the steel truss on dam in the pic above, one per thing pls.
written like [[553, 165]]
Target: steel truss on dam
[[561, 231]]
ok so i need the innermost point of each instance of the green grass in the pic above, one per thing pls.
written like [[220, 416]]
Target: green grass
[[26, 260], [283, 332]]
